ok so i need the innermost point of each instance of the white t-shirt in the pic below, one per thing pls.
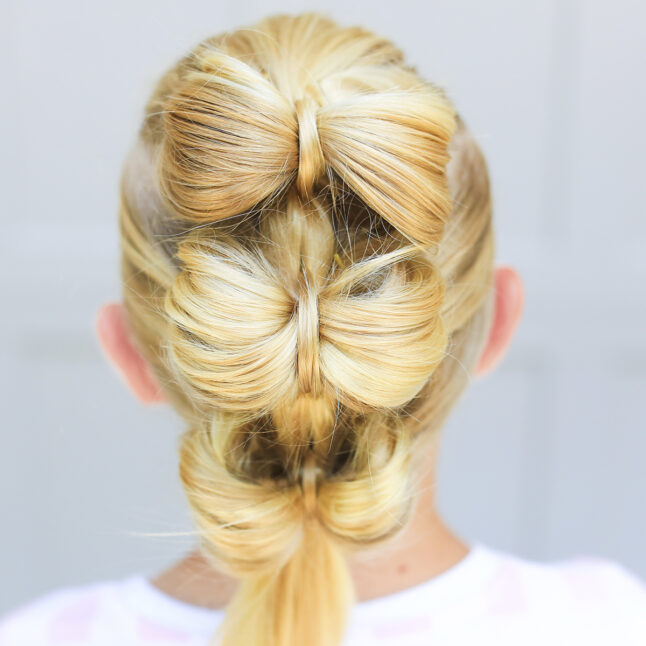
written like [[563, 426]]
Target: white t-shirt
[[489, 598]]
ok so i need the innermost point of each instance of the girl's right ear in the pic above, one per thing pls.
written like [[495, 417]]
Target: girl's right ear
[[116, 342], [509, 300]]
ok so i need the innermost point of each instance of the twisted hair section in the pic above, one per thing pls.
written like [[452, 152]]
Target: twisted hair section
[[305, 269]]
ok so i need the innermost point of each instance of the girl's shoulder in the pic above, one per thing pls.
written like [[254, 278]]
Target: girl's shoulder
[[65, 615], [92, 614], [587, 598], [579, 582]]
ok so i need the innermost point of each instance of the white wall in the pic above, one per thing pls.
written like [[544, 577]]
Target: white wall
[[545, 457]]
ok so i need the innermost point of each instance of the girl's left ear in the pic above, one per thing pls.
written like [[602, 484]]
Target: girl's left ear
[[116, 342]]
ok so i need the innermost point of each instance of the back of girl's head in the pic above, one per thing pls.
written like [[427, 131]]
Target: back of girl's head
[[307, 266]]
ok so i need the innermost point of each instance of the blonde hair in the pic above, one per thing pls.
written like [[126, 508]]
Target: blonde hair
[[307, 267]]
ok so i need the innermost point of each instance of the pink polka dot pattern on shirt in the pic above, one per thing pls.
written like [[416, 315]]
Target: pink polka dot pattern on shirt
[[505, 591], [418, 624], [148, 631], [74, 621]]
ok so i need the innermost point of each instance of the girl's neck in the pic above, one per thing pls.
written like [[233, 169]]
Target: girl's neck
[[426, 549]]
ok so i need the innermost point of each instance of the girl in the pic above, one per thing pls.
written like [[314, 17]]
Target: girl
[[307, 260]]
